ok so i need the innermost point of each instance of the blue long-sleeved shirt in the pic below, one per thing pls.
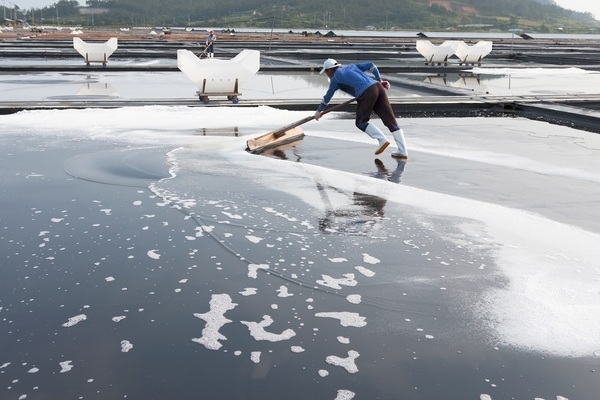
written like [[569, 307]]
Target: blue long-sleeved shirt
[[351, 79]]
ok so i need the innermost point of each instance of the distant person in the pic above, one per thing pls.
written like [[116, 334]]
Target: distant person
[[371, 97], [210, 44]]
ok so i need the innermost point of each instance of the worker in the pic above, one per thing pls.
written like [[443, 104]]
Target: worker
[[210, 44], [371, 97]]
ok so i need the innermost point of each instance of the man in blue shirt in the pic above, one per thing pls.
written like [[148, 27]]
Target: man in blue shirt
[[371, 97]]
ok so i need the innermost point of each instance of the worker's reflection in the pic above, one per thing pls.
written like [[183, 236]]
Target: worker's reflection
[[384, 173], [366, 211], [362, 216]]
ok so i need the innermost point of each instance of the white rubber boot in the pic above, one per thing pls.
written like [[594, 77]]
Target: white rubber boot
[[376, 134], [401, 144]]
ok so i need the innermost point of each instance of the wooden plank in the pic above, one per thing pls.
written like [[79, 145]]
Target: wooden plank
[[285, 134], [268, 141]]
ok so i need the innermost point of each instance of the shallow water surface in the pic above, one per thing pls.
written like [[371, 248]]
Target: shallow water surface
[[143, 260]]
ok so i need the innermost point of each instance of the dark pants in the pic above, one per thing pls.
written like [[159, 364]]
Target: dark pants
[[375, 99]]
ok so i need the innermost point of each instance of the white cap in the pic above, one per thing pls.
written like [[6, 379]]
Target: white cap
[[329, 63]]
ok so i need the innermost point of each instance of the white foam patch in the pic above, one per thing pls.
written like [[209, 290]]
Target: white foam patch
[[369, 259], [253, 269], [33, 370], [337, 283], [297, 349], [354, 298], [232, 216], [74, 320], [344, 394], [343, 340], [279, 214], [365, 271], [258, 331], [215, 319], [255, 356], [346, 318], [248, 292], [254, 239], [126, 346], [348, 363], [338, 260], [153, 254], [118, 318], [65, 366], [283, 292]]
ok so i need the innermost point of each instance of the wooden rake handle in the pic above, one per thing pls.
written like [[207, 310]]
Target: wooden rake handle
[[281, 131]]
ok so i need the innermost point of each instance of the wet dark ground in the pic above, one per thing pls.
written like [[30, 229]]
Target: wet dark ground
[[89, 228]]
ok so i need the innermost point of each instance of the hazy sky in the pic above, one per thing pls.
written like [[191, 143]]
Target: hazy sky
[[25, 4], [592, 6]]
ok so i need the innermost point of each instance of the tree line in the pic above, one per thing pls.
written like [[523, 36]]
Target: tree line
[[317, 14]]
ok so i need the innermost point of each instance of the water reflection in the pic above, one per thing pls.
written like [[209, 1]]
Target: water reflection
[[228, 131], [297, 86], [285, 84], [97, 89], [467, 81], [89, 91], [356, 213], [439, 79], [520, 82], [470, 82], [384, 173], [285, 151], [361, 216], [364, 212]]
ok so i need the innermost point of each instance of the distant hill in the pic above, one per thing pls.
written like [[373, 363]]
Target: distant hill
[[531, 15]]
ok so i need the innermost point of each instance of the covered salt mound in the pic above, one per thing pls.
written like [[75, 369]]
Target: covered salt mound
[[219, 77], [437, 54], [473, 54], [95, 52]]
